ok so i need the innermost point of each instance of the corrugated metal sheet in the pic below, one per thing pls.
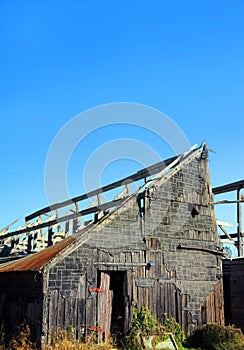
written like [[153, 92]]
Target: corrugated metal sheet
[[37, 261]]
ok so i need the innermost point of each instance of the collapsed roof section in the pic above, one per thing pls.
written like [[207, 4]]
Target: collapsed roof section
[[69, 222]]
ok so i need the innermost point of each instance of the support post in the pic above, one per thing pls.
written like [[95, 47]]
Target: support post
[[50, 237], [239, 222], [75, 221]]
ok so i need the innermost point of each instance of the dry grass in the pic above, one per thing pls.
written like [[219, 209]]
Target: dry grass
[[21, 340], [63, 341], [67, 344]]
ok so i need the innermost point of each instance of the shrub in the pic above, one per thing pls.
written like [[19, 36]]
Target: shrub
[[173, 327], [145, 325], [217, 337], [21, 339]]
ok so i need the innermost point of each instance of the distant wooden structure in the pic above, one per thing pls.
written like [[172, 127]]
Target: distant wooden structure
[[155, 247], [237, 187]]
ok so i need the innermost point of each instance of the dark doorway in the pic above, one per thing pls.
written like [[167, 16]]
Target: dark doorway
[[117, 280]]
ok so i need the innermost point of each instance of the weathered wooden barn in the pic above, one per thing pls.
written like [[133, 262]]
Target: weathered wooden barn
[[234, 291], [157, 247]]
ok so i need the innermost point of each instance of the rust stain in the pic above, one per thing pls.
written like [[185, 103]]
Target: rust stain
[[96, 290], [98, 329], [38, 260]]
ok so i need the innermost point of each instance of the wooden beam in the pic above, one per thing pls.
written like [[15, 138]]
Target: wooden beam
[[226, 233], [66, 218], [224, 223], [151, 170], [229, 187], [227, 202], [226, 240], [201, 249], [232, 235], [239, 223], [7, 227]]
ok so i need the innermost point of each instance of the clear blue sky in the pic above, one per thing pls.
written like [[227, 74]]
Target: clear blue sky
[[59, 58]]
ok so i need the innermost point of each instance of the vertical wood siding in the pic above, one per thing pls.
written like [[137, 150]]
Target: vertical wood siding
[[152, 286]]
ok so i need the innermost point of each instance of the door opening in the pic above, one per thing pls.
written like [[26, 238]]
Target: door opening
[[117, 280], [111, 302]]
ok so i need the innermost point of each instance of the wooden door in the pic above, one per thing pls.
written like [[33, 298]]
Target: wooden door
[[104, 307]]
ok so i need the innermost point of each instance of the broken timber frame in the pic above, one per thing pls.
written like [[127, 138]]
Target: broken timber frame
[[49, 225], [234, 186]]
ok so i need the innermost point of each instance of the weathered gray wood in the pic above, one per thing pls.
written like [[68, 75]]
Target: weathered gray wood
[[91, 297], [60, 312], [128, 296], [81, 307], [104, 308], [52, 319]]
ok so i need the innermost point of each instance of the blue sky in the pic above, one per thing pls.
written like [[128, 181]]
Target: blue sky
[[59, 58]]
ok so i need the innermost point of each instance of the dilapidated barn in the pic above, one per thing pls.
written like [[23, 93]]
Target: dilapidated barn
[[155, 247]]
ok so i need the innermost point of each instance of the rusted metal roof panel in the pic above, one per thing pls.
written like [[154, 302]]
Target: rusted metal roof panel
[[37, 261]]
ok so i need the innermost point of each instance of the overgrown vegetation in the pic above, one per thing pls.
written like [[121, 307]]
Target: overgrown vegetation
[[147, 331], [64, 341], [20, 340], [216, 337]]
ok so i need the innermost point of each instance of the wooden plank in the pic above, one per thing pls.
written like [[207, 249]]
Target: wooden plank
[[52, 324], [226, 233], [66, 218], [178, 307], [239, 223], [206, 250], [149, 171], [229, 187], [104, 307], [91, 298], [224, 223], [6, 228], [81, 306], [139, 274], [128, 297], [66, 314], [232, 235], [184, 316], [100, 309], [73, 310], [60, 312], [172, 301], [225, 201]]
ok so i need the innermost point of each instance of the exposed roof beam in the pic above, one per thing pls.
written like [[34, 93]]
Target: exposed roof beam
[[151, 170], [229, 187]]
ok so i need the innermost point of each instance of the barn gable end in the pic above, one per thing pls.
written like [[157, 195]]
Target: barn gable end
[[159, 249]]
